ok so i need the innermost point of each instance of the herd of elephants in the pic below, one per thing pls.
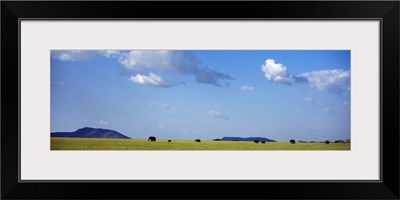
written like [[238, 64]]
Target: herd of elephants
[[153, 139]]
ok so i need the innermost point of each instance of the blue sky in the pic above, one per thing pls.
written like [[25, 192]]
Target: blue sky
[[207, 94]]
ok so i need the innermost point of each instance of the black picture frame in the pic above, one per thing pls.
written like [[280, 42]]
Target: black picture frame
[[386, 11]]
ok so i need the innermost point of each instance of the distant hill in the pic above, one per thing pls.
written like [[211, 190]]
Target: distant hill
[[88, 132], [246, 139]]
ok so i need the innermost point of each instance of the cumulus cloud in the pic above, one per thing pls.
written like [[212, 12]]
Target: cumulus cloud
[[110, 53], [152, 79], [217, 114], [208, 76], [277, 72], [178, 62], [246, 88], [73, 55], [336, 81], [134, 62], [82, 55], [102, 122]]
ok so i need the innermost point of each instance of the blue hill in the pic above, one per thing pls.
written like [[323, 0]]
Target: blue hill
[[246, 139], [88, 132]]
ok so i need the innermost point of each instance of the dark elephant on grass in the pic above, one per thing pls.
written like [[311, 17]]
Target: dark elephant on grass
[[292, 141], [152, 139], [263, 142], [327, 142], [169, 140], [197, 140], [256, 141]]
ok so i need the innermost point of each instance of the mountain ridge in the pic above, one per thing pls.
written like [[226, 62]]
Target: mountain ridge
[[247, 139], [88, 132]]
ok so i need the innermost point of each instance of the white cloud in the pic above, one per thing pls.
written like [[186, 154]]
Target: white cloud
[[336, 81], [178, 62], [217, 114], [110, 53], [246, 88], [102, 122], [82, 55], [277, 72], [152, 79], [74, 55], [148, 59]]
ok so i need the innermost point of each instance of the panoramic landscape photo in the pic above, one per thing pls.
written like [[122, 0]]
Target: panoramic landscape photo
[[200, 100]]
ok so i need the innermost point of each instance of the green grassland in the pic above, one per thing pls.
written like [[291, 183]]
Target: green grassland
[[143, 144]]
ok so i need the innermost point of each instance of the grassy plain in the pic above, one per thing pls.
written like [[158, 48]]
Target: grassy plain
[[143, 144]]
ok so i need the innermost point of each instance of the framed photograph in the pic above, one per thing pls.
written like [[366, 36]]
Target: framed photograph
[[288, 96]]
